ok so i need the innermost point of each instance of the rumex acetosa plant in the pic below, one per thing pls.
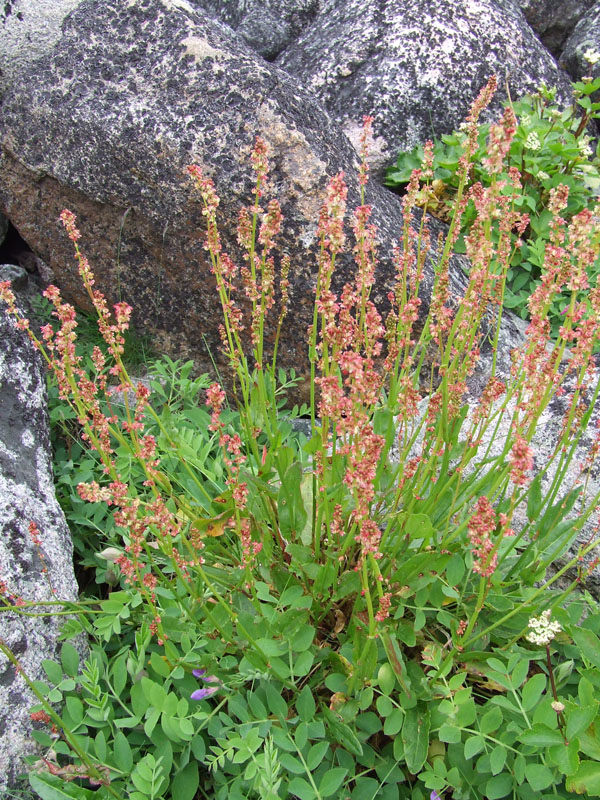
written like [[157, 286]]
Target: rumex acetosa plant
[[342, 614]]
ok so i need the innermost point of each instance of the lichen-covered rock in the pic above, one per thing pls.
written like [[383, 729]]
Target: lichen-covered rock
[[35, 573], [585, 38], [267, 26], [132, 94], [28, 30], [554, 20], [416, 65]]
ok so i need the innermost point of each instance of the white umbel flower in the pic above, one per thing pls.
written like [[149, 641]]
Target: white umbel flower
[[543, 630], [584, 147], [532, 142], [591, 56]]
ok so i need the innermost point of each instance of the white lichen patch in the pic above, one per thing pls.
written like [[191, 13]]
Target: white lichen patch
[[200, 49], [27, 438], [379, 153], [296, 158]]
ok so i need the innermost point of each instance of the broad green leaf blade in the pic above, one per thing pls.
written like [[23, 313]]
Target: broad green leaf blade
[[50, 787], [415, 736]]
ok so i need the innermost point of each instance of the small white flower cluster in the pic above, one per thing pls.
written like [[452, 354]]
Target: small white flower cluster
[[584, 148], [543, 630], [542, 176], [591, 56], [526, 120], [532, 142]]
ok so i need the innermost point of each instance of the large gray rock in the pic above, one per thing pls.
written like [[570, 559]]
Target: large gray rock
[[585, 37], [130, 96], [35, 574], [554, 20], [28, 30], [267, 26], [416, 65]]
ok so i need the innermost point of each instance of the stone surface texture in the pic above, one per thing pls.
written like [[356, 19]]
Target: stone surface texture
[[131, 95], [586, 36], [28, 30], [267, 26], [415, 65], [26, 495], [554, 20]]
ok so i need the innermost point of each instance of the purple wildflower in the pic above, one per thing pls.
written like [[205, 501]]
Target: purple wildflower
[[207, 691], [434, 796]]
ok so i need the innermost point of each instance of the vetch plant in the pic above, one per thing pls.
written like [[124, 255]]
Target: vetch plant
[[358, 598]]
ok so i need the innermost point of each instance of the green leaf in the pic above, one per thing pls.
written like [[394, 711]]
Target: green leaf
[[386, 678], [75, 709], [499, 786], [316, 754], [541, 736], [53, 671], [534, 493], [302, 789], [538, 776], [305, 704], [291, 764], [119, 673], [342, 733], [532, 691], [69, 658], [331, 781], [566, 757], [154, 693], [393, 723], [497, 759], [586, 780], [396, 661], [50, 787], [491, 720], [415, 737], [276, 703], [303, 638], [519, 673], [579, 719], [384, 705], [290, 505], [100, 745], [473, 745], [122, 752], [185, 783], [449, 734]]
